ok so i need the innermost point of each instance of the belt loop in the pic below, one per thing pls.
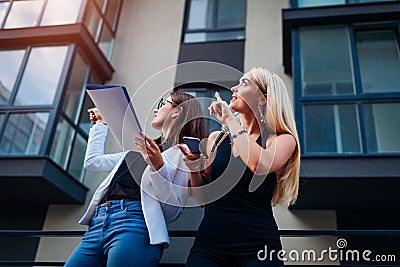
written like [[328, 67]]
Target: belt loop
[[122, 204]]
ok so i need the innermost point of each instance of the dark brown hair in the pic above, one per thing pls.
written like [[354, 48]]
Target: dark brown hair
[[190, 122]]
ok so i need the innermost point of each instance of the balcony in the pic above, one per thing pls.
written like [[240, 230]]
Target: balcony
[[38, 180], [348, 182]]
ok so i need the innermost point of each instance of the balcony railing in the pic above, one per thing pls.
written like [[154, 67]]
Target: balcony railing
[[283, 233]]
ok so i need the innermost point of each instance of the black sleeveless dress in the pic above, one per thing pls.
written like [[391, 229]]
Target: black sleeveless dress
[[241, 223]]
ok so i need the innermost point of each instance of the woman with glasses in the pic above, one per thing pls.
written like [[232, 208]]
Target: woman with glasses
[[260, 157], [144, 190]]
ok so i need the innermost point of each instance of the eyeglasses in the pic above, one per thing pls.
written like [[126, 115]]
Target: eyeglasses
[[163, 102]]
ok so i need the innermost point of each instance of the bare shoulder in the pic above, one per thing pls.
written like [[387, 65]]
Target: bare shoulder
[[286, 140]]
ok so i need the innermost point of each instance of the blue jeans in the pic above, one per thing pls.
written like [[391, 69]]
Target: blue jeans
[[117, 237]]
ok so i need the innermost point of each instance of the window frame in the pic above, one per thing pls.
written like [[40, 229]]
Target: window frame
[[359, 98], [213, 29]]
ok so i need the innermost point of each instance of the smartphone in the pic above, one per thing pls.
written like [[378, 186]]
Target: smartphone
[[193, 143]]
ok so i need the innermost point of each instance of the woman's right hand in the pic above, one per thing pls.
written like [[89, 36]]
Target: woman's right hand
[[95, 116], [195, 162]]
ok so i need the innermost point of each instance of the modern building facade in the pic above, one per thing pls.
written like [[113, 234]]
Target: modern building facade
[[339, 59]]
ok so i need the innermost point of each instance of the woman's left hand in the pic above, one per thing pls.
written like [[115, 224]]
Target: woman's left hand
[[150, 152], [220, 109]]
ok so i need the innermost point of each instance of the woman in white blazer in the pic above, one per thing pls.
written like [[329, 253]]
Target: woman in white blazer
[[127, 222]]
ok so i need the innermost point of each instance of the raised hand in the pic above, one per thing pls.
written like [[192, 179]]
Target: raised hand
[[220, 109], [95, 116], [150, 152]]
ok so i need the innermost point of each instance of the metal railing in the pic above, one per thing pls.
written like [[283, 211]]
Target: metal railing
[[283, 233]]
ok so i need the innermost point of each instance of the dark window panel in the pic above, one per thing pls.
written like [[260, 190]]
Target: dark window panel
[[382, 126], [75, 86], [325, 61], [378, 53], [62, 144], [75, 167], [331, 128]]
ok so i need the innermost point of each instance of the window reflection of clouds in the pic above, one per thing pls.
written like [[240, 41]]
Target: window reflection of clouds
[[41, 76], [10, 62], [24, 14], [61, 12]]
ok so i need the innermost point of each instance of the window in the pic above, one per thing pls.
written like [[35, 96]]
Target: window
[[10, 64], [41, 76], [101, 21], [313, 3], [23, 133], [214, 20], [24, 13], [349, 85], [206, 94], [70, 139], [59, 12]]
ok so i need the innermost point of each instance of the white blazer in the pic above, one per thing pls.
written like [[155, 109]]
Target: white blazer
[[168, 185]]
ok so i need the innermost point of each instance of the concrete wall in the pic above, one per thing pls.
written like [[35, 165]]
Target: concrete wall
[[147, 43]]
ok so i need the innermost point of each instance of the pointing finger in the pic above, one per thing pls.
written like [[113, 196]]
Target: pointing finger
[[218, 97]]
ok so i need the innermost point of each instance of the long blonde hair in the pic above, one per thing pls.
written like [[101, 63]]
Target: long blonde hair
[[279, 117]]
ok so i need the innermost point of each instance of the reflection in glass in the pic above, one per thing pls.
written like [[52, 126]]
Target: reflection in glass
[[331, 128], [213, 36], [92, 20], [378, 53], [111, 11], [106, 41], [200, 14], [1, 119], [24, 14], [3, 9], [75, 85], [41, 76], [84, 121], [382, 127], [23, 133], [325, 61], [231, 14], [10, 62], [59, 12], [62, 143], [76, 160]]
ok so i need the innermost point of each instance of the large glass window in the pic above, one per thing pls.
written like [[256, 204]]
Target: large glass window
[[100, 20], [10, 64], [326, 65], [23, 133], [59, 12], [24, 13], [73, 95], [348, 89], [215, 20], [69, 145], [378, 53], [41, 76]]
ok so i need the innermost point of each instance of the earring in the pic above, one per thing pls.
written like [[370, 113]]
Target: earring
[[174, 116]]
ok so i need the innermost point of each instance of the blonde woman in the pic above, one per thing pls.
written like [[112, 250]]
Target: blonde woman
[[262, 152]]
